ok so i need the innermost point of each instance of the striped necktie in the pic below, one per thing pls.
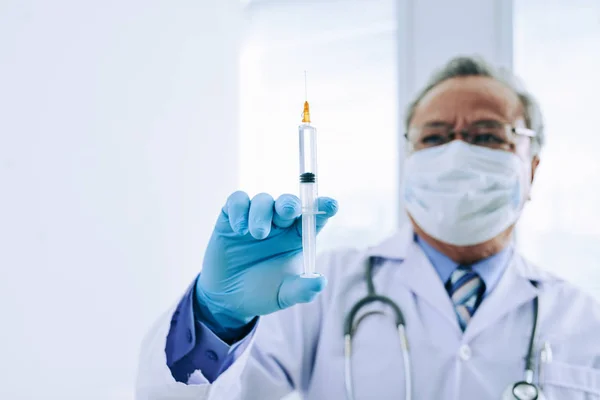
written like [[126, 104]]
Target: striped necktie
[[466, 289]]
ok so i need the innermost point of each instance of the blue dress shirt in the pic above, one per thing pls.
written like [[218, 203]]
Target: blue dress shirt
[[489, 269]]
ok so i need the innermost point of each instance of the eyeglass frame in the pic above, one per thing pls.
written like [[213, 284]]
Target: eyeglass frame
[[516, 131]]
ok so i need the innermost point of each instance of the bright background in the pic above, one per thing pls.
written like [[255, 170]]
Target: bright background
[[557, 56], [125, 124]]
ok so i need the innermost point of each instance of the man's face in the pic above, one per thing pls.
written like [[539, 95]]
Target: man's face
[[464, 101], [462, 104]]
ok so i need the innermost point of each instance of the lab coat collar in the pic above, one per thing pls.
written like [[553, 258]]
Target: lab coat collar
[[512, 291]]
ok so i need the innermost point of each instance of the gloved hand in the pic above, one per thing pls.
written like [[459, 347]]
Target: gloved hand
[[253, 259]]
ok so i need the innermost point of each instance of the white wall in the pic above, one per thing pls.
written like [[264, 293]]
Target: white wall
[[118, 132]]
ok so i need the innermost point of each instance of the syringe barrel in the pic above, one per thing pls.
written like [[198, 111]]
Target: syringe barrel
[[308, 196], [308, 153]]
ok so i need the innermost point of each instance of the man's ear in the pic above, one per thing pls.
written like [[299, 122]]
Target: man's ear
[[534, 164]]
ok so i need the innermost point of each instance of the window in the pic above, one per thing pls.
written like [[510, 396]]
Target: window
[[557, 55], [348, 51]]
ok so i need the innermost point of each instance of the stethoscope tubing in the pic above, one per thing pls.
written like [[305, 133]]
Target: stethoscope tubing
[[350, 327], [405, 360]]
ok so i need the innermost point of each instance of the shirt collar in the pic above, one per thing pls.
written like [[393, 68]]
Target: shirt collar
[[396, 247], [489, 269]]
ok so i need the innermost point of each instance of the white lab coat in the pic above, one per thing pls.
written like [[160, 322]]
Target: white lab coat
[[302, 347]]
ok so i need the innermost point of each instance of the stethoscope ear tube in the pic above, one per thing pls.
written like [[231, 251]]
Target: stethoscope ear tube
[[350, 327], [405, 360], [348, 366]]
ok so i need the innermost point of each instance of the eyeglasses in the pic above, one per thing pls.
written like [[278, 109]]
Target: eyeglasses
[[491, 134]]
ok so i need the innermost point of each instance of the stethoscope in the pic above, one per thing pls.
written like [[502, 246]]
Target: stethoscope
[[522, 390]]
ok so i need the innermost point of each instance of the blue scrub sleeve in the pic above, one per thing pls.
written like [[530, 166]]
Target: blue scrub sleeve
[[192, 345]]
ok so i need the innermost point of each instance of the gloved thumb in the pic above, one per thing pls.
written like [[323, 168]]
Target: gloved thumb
[[296, 289]]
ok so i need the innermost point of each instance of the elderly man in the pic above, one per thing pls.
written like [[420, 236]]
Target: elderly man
[[444, 309]]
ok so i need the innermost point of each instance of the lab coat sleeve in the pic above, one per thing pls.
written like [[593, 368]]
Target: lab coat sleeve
[[273, 360]]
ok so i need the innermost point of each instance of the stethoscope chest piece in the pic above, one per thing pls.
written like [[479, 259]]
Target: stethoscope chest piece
[[523, 391]]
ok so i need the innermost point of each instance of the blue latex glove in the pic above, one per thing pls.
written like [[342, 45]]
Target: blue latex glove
[[253, 259]]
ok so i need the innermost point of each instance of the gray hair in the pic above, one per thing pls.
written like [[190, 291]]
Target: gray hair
[[475, 66]]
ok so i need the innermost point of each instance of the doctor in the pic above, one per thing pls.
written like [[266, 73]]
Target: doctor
[[249, 328]]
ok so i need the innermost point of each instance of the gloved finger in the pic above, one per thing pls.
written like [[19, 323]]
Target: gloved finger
[[261, 216], [296, 289], [236, 211], [287, 209], [328, 207]]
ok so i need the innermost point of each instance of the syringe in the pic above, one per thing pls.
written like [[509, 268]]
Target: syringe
[[308, 191]]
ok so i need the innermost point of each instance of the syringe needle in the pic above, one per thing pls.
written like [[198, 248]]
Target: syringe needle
[[305, 87]]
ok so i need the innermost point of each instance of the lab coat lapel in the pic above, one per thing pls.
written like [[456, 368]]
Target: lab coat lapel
[[416, 272], [420, 276], [513, 290]]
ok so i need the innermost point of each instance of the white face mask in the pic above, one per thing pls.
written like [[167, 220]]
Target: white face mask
[[463, 194]]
